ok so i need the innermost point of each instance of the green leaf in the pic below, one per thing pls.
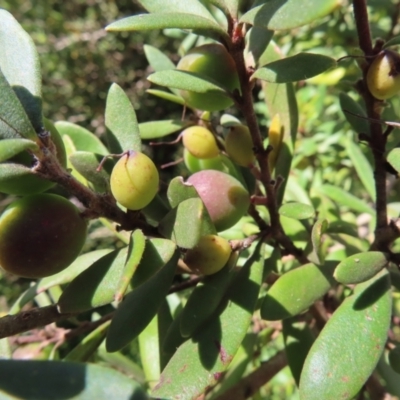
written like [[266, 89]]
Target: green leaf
[[11, 147], [394, 359], [86, 163], [281, 99], [393, 159], [317, 255], [296, 68], [297, 210], [95, 286], [348, 105], [186, 223], [298, 340], [177, 6], [258, 40], [362, 166], [296, 290], [20, 180], [349, 346], [186, 81], [120, 118], [88, 345], [140, 306], [78, 266], [159, 129], [82, 139], [65, 380], [344, 198], [156, 210], [360, 267], [178, 191], [19, 62], [14, 121], [213, 288], [136, 249], [392, 42], [177, 20], [287, 14], [166, 96], [199, 362], [230, 7], [157, 59]]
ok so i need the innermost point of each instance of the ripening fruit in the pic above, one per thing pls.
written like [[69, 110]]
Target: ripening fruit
[[239, 145], [200, 142], [134, 180], [383, 76], [15, 175], [223, 195], [40, 235], [213, 62], [209, 255]]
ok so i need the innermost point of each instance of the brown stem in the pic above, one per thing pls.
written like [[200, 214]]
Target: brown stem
[[249, 385], [377, 140]]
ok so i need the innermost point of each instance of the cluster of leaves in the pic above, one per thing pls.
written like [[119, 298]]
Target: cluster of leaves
[[197, 339]]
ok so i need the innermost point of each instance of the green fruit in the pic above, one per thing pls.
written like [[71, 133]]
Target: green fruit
[[239, 145], [223, 195], [15, 174], [40, 235], [134, 180], [209, 255], [215, 63], [200, 142], [383, 79]]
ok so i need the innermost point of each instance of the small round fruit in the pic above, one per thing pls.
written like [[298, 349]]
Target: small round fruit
[[239, 145], [209, 255], [383, 76], [40, 235], [200, 142], [223, 195], [134, 180], [213, 62]]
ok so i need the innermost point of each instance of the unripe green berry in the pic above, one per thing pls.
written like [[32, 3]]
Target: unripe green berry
[[40, 235], [215, 63], [200, 142], [209, 255], [239, 145], [383, 76], [134, 180]]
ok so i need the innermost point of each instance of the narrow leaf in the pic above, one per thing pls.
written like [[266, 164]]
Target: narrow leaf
[[349, 346], [344, 198], [14, 121], [287, 14], [362, 166], [162, 94], [186, 81], [296, 68], [11, 147], [360, 267], [65, 380], [19, 62], [158, 129], [295, 291], [140, 306], [297, 210], [177, 20], [198, 363], [122, 127], [350, 110]]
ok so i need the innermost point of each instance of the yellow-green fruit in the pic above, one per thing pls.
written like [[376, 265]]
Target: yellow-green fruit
[[134, 180], [383, 76], [209, 255], [239, 145], [200, 142], [213, 62], [40, 235]]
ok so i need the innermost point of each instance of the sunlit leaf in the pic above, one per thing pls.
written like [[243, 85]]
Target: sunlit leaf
[[297, 210], [158, 129]]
